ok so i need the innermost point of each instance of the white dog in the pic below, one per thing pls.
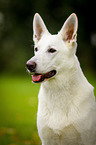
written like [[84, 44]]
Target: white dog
[[67, 108]]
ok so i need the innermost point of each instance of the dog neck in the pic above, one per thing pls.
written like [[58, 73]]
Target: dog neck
[[66, 89]]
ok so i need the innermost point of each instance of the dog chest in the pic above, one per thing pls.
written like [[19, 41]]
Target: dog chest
[[54, 135], [54, 127], [63, 122]]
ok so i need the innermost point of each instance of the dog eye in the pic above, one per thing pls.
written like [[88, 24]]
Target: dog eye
[[36, 49], [52, 50]]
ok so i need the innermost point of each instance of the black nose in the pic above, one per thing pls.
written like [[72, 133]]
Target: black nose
[[31, 66]]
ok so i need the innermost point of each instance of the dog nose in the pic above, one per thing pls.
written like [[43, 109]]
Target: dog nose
[[31, 66]]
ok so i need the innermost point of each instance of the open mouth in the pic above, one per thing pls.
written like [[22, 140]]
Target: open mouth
[[38, 78]]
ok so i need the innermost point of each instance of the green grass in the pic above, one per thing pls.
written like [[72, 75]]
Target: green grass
[[18, 110]]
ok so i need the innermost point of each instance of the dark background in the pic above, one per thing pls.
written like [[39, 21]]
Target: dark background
[[16, 31]]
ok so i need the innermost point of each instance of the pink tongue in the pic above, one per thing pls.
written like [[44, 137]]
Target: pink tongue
[[36, 78]]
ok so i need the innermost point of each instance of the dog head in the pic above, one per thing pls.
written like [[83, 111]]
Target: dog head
[[53, 53]]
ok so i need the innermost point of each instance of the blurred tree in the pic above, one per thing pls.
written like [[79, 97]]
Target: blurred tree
[[16, 29]]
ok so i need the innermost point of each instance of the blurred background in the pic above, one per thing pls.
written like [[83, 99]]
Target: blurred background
[[18, 96]]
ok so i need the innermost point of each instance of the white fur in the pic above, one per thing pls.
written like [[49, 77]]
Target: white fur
[[67, 108]]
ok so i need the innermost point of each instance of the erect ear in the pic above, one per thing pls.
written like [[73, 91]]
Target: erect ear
[[39, 28], [69, 29]]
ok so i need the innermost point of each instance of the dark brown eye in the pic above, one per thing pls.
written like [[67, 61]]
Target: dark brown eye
[[36, 49], [52, 50]]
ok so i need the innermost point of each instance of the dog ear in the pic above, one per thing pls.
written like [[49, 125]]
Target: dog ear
[[39, 28], [69, 29]]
